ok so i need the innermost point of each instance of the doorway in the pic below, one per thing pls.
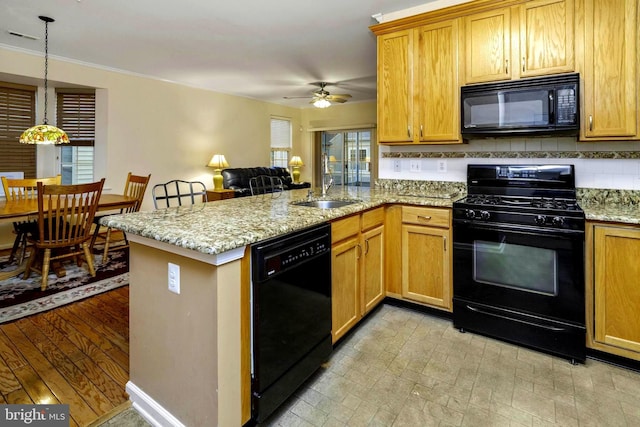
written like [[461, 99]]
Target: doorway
[[352, 159]]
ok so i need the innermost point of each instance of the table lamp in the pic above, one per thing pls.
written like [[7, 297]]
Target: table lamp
[[296, 162], [217, 163]]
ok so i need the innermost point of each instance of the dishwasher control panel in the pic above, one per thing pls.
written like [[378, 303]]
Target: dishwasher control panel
[[283, 253], [294, 256]]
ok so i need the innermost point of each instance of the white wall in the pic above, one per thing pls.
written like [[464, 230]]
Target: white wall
[[152, 126]]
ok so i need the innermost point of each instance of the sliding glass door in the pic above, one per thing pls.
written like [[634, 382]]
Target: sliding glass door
[[350, 156]]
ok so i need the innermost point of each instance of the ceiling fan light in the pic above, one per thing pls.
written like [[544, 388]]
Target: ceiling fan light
[[321, 103]]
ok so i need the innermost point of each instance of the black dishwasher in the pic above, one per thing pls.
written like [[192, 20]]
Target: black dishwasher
[[291, 317]]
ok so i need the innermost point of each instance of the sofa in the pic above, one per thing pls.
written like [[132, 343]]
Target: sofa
[[237, 179]]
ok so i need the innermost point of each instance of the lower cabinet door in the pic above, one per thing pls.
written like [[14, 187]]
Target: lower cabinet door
[[426, 265], [372, 277], [617, 287], [345, 298]]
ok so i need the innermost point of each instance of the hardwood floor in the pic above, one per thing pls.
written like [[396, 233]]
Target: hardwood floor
[[76, 354]]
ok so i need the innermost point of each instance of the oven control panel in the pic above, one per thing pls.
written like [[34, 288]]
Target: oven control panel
[[555, 221]]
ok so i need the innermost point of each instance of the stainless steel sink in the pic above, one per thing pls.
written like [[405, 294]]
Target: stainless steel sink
[[326, 204]]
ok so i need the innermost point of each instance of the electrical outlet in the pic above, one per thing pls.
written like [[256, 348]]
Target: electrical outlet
[[414, 165], [396, 165], [442, 166], [174, 278]]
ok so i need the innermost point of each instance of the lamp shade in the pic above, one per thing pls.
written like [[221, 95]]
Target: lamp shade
[[218, 162], [44, 134], [296, 161]]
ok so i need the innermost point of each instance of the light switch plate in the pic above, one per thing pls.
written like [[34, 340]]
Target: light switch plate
[[396, 165], [442, 166]]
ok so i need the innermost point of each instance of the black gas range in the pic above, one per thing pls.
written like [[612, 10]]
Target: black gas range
[[519, 257]]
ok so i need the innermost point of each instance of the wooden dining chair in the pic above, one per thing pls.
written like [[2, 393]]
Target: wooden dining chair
[[65, 217], [16, 189], [134, 187]]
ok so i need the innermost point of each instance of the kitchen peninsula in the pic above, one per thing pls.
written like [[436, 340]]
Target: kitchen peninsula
[[189, 354]]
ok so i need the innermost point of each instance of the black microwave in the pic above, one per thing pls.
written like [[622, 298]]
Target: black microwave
[[535, 106]]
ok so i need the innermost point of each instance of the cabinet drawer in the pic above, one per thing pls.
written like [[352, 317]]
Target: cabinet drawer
[[433, 217], [346, 227], [372, 218]]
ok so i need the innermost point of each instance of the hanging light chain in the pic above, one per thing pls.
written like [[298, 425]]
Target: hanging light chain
[[46, 67]]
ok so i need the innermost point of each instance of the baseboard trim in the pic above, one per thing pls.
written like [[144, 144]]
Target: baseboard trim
[[149, 409]]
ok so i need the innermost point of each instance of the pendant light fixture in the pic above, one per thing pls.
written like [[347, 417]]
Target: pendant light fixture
[[45, 133]]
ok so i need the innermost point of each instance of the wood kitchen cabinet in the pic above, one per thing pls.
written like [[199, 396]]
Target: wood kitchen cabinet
[[531, 39], [426, 256], [395, 87], [357, 254], [613, 289], [488, 46], [418, 89], [607, 53]]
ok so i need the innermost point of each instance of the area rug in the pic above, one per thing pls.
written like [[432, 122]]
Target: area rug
[[19, 297]]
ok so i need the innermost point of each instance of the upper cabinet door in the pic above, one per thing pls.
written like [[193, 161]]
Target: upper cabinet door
[[437, 87], [546, 37], [488, 46], [610, 77], [395, 87]]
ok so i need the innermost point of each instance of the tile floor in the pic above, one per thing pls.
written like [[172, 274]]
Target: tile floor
[[404, 368]]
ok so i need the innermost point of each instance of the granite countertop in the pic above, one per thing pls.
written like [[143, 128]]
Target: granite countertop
[[626, 214], [610, 205], [220, 226]]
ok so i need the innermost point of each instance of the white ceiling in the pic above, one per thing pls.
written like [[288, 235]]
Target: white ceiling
[[254, 49]]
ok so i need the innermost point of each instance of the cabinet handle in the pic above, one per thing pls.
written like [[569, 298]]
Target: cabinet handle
[[420, 131], [590, 123], [359, 251], [506, 66], [523, 64], [426, 218], [409, 131], [366, 246], [445, 243]]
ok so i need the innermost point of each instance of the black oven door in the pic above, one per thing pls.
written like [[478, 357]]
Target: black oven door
[[528, 269], [521, 284]]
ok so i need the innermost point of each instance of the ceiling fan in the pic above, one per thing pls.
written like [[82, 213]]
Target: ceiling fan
[[322, 98]]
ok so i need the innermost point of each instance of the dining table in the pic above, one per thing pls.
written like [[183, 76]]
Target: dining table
[[27, 210]]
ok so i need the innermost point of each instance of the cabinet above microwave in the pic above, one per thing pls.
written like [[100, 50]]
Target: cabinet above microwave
[[537, 106]]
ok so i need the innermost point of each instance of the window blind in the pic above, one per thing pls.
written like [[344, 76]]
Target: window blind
[[76, 115], [280, 133], [17, 114]]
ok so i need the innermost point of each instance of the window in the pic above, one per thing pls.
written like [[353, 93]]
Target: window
[[17, 114], [280, 141], [76, 115]]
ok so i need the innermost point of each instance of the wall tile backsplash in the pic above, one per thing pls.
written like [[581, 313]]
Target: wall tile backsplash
[[598, 165]]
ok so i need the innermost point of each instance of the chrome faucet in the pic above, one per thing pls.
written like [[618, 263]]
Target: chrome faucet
[[326, 172]]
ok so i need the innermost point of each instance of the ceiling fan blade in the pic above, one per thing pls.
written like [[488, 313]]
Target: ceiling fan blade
[[338, 100], [340, 95], [295, 97]]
